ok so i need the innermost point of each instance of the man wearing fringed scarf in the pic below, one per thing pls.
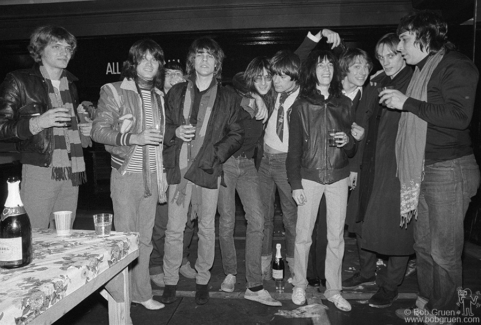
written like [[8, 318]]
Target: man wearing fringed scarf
[[201, 134], [39, 110], [130, 122], [435, 162]]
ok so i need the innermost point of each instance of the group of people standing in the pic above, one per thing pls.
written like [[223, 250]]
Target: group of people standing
[[307, 123]]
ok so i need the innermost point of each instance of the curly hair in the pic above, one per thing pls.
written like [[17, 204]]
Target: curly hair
[[44, 35], [137, 51], [308, 79], [430, 30], [210, 46]]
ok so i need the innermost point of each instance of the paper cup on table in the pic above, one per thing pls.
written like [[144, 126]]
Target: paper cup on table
[[63, 222], [103, 224]]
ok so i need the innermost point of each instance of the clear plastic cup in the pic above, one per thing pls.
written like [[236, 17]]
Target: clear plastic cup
[[103, 224]]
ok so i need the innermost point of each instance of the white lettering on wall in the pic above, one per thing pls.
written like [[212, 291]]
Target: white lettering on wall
[[113, 68]]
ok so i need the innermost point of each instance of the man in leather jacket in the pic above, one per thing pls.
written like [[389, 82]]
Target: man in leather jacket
[[38, 111]]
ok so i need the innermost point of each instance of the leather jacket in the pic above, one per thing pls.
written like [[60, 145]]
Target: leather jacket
[[309, 156], [23, 95]]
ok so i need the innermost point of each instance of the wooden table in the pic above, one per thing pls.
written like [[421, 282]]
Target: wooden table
[[66, 270]]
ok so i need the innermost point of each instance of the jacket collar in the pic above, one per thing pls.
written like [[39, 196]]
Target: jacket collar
[[36, 72]]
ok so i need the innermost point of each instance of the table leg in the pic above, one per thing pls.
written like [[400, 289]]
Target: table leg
[[117, 293]]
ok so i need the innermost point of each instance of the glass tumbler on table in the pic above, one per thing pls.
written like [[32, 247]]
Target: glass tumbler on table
[[103, 224]]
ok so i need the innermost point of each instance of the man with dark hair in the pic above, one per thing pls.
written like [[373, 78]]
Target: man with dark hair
[[437, 170], [39, 110], [201, 134], [130, 122]]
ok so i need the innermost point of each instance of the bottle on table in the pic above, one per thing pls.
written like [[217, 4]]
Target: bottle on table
[[278, 270], [15, 230]]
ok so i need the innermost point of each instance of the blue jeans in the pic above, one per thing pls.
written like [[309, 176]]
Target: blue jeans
[[158, 239], [446, 191], [174, 234], [272, 173], [240, 174], [135, 212]]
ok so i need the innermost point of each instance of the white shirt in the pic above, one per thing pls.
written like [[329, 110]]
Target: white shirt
[[271, 138]]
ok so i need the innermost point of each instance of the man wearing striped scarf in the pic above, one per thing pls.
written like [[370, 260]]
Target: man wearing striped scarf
[[39, 110]]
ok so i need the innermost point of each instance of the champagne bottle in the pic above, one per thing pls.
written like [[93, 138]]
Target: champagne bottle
[[278, 269], [15, 230]]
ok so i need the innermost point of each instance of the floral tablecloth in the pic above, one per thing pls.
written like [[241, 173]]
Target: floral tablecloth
[[60, 266]]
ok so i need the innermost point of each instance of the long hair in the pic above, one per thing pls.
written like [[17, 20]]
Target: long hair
[[286, 62], [44, 35], [430, 30], [256, 68], [348, 58], [212, 47], [137, 51], [309, 79]]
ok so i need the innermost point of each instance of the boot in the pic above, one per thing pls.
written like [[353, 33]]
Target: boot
[[266, 266]]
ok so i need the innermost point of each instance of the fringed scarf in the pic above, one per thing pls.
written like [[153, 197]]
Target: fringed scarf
[[67, 157], [411, 142]]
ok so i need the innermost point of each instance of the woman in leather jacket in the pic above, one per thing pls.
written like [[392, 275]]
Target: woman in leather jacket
[[317, 166]]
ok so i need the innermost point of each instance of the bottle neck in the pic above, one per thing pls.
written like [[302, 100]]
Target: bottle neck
[[13, 204], [278, 252]]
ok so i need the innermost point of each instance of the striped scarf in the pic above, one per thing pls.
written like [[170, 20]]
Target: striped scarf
[[67, 157]]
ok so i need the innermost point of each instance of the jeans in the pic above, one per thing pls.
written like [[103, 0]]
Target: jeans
[[317, 254], [175, 233], [336, 204], [135, 212], [43, 195], [158, 239], [240, 174], [446, 191], [272, 173]]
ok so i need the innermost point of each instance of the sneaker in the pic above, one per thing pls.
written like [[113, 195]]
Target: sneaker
[[314, 282], [340, 302], [299, 296], [151, 304], [228, 284], [187, 271], [262, 296], [357, 280], [158, 279], [266, 265], [383, 298]]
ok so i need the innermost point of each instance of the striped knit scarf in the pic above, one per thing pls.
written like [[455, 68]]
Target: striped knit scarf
[[67, 157]]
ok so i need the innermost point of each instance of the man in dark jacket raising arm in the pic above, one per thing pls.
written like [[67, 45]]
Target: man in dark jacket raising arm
[[201, 134]]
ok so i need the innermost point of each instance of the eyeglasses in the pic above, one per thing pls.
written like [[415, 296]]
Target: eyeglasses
[[259, 79], [174, 74]]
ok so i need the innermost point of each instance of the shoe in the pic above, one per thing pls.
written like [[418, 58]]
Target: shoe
[[299, 296], [158, 279], [151, 304], [228, 284], [201, 294], [187, 271], [340, 302], [266, 265], [261, 296], [314, 282], [168, 296], [383, 298], [356, 280]]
